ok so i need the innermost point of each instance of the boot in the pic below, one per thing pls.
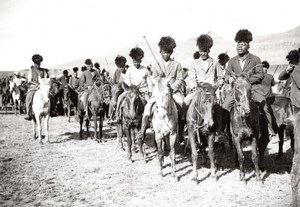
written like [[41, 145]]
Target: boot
[[220, 132], [28, 117], [142, 132]]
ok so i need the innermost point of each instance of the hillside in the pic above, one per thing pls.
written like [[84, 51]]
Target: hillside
[[273, 48]]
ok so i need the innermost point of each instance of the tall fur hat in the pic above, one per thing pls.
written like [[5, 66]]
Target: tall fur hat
[[75, 69], [88, 62], [120, 61], [243, 35], [167, 44], [97, 65], [196, 55], [37, 58], [136, 53], [223, 57], [293, 56], [265, 64], [204, 42]]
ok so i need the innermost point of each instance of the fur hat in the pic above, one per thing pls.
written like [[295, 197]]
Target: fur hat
[[88, 62], [167, 44], [37, 59], [83, 68], [97, 65], [204, 42], [265, 64], [136, 53], [243, 35], [120, 61], [75, 69], [293, 56], [65, 72], [223, 58]]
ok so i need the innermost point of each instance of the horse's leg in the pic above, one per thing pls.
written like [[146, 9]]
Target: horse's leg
[[34, 128], [132, 134], [129, 143], [69, 111], [280, 144], [39, 126], [46, 125], [95, 125], [160, 157], [81, 123], [101, 137], [87, 123], [172, 139], [194, 153], [120, 136], [240, 156], [211, 154], [255, 158], [141, 148], [295, 179]]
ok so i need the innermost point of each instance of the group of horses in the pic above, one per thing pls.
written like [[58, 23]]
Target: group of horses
[[246, 120]]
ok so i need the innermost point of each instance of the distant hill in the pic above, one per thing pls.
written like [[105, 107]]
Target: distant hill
[[272, 48]]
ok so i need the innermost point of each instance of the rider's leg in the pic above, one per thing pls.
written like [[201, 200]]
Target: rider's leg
[[146, 116], [119, 104], [28, 102]]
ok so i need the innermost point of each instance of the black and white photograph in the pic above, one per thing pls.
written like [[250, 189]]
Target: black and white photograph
[[149, 103]]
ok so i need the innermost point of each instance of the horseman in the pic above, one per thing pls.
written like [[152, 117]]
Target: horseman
[[204, 70], [292, 72], [137, 75], [34, 74], [245, 62], [88, 78], [20, 82], [74, 81], [165, 68], [64, 80], [118, 76]]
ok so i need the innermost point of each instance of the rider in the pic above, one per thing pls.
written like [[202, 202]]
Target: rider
[[34, 74], [245, 62], [165, 68], [74, 81], [88, 78], [137, 75], [118, 76], [204, 70]]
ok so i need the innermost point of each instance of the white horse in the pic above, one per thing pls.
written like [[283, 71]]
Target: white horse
[[16, 96], [41, 109], [164, 120]]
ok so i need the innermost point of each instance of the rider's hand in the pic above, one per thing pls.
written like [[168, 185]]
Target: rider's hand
[[290, 68]]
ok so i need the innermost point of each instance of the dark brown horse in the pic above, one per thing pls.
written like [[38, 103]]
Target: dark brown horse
[[70, 101], [116, 91], [200, 124], [245, 124], [97, 105], [132, 114]]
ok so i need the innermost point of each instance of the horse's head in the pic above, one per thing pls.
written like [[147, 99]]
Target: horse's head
[[242, 95], [67, 91], [106, 88], [132, 102], [162, 93], [44, 88], [206, 103], [116, 91]]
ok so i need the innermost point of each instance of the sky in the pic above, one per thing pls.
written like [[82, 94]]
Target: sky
[[66, 30]]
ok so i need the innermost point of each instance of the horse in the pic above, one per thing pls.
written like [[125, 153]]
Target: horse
[[245, 124], [81, 112], [282, 112], [97, 103], [165, 120], [132, 114], [41, 109], [70, 100], [200, 124], [5, 91], [106, 88], [116, 91], [17, 95]]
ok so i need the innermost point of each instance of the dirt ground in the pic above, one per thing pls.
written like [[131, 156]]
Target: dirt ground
[[73, 172]]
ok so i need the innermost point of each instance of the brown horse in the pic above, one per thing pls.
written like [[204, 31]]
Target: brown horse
[[164, 120], [97, 105], [200, 124], [132, 114], [116, 91], [70, 100], [244, 124]]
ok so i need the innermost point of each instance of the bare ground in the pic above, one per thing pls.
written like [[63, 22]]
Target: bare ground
[[73, 172]]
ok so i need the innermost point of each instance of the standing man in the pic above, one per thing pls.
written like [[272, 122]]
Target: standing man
[[74, 81], [245, 62]]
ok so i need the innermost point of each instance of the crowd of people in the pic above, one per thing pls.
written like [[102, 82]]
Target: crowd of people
[[183, 81]]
